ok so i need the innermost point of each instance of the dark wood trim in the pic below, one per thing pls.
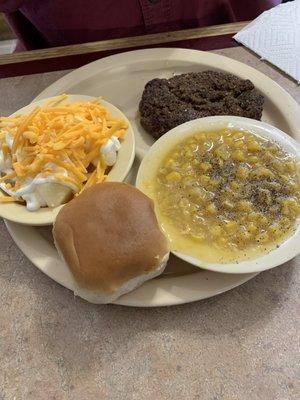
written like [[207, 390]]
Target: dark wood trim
[[76, 61], [123, 43]]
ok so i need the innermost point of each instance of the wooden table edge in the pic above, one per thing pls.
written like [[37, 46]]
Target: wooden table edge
[[123, 43]]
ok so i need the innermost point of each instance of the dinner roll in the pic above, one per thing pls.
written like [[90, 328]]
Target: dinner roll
[[111, 241]]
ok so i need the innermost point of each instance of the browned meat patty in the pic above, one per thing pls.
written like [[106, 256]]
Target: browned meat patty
[[167, 103]]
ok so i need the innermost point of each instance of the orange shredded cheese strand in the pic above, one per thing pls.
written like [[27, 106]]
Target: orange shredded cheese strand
[[92, 180], [9, 199], [68, 137], [5, 150], [100, 172], [23, 126]]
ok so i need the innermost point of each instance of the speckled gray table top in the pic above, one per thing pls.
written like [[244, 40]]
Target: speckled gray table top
[[241, 345]]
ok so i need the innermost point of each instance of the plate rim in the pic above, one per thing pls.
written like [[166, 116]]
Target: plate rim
[[170, 298], [290, 106], [173, 54]]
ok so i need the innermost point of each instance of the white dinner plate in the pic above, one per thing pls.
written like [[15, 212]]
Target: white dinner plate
[[120, 79]]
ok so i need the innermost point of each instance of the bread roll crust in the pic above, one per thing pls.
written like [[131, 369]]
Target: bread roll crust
[[109, 235]]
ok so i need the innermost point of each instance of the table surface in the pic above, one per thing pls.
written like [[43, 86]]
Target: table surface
[[243, 344]]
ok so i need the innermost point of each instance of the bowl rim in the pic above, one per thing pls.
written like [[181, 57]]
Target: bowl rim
[[46, 216], [289, 248]]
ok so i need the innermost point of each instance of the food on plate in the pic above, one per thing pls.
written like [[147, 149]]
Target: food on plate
[[110, 239], [227, 195], [57, 151], [167, 103]]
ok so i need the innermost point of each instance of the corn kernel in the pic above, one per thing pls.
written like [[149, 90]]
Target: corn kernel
[[245, 236], [262, 237], [244, 205], [242, 173], [201, 194], [214, 182], [234, 185], [238, 155], [238, 135], [169, 162], [273, 149], [289, 206], [278, 165], [188, 153], [173, 176], [183, 203], [238, 144], [222, 242], [263, 220], [263, 172], [223, 152], [284, 178], [229, 141], [273, 185], [205, 166], [231, 226], [199, 237], [204, 180], [211, 208], [216, 230], [290, 166], [284, 222], [275, 229], [253, 160], [186, 166], [253, 146], [268, 156], [221, 162], [200, 136], [228, 205], [251, 227], [253, 216], [293, 186]]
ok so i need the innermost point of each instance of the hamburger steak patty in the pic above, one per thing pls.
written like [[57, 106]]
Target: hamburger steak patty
[[167, 103]]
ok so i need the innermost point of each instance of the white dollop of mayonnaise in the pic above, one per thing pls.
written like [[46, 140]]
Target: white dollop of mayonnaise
[[29, 191], [109, 150], [34, 201], [42, 191], [9, 139], [5, 164]]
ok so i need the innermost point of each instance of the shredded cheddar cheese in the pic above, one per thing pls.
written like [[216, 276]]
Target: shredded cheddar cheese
[[8, 199], [62, 140]]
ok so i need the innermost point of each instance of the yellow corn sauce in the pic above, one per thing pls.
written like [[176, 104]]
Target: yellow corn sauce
[[227, 196]]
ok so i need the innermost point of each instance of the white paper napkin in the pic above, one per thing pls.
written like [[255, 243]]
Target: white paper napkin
[[275, 36]]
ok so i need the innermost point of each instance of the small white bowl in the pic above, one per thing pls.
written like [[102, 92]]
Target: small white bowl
[[45, 216], [148, 169]]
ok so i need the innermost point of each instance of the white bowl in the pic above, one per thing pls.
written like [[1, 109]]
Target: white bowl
[[148, 169], [45, 216]]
